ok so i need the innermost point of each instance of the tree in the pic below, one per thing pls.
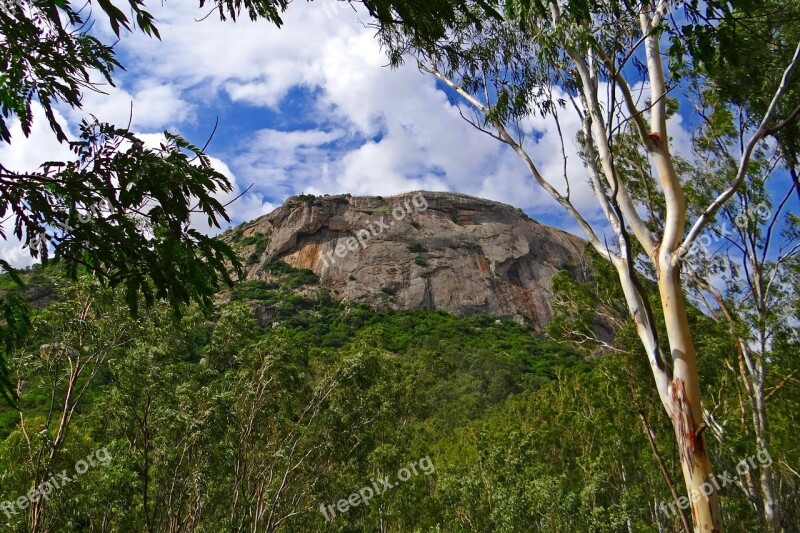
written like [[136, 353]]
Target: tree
[[752, 250], [141, 237], [507, 61], [86, 326], [757, 299], [546, 57], [120, 210], [749, 53]]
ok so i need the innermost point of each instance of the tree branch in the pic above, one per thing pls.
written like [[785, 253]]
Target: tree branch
[[592, 103], [744, 162], [509, 140]]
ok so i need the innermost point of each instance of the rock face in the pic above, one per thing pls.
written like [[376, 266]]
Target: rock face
[[420, 250]]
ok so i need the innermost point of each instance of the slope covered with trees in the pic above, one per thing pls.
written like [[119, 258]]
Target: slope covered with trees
[[213, 423]]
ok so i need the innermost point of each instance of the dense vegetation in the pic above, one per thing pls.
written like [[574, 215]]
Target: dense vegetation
[[217, 423], [256, 413]]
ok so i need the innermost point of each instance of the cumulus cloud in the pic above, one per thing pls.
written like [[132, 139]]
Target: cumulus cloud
[[27, 154], [359, 127], [149, 106], [241, 207], [394, 130]]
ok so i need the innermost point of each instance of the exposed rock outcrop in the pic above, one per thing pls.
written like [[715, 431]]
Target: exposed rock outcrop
[[420, 250]]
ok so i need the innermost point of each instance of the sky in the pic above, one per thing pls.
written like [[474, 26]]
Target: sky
[[310, 108]]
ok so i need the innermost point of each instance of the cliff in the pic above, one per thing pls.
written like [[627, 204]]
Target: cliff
[[419, 250]]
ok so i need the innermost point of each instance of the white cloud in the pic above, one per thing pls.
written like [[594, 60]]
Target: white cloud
[[240, 208], [398, 132], [26, 154], [363, 128], [152, 106]]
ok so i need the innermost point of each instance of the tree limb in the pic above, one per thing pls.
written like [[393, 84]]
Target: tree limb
[[744, 162]]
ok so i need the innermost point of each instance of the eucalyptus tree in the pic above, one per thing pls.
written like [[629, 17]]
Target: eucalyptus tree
[[752, 252], [756, 53], [86, 327], [596, 60]]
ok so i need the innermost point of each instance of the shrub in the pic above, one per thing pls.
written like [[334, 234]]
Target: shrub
[[254, 289], [261, 242], [291, 277]]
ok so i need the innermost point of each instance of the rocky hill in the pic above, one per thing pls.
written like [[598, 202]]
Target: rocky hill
[[419, 250]]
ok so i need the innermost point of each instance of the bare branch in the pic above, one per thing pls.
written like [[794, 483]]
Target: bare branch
[[651, 439], [592, 104], [658, 88], [509, 140], [636, 114], [565, 203], [744, 162], [454, 86]]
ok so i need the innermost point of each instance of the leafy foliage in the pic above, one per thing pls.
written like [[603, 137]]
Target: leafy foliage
[[211, 418], [231, 425], [120, 210], [744, 52], [239, 394]]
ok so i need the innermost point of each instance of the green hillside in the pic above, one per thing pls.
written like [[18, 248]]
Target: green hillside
[[218, 424]]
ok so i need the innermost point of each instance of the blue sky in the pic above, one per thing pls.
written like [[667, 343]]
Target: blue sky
[[310, 108]]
